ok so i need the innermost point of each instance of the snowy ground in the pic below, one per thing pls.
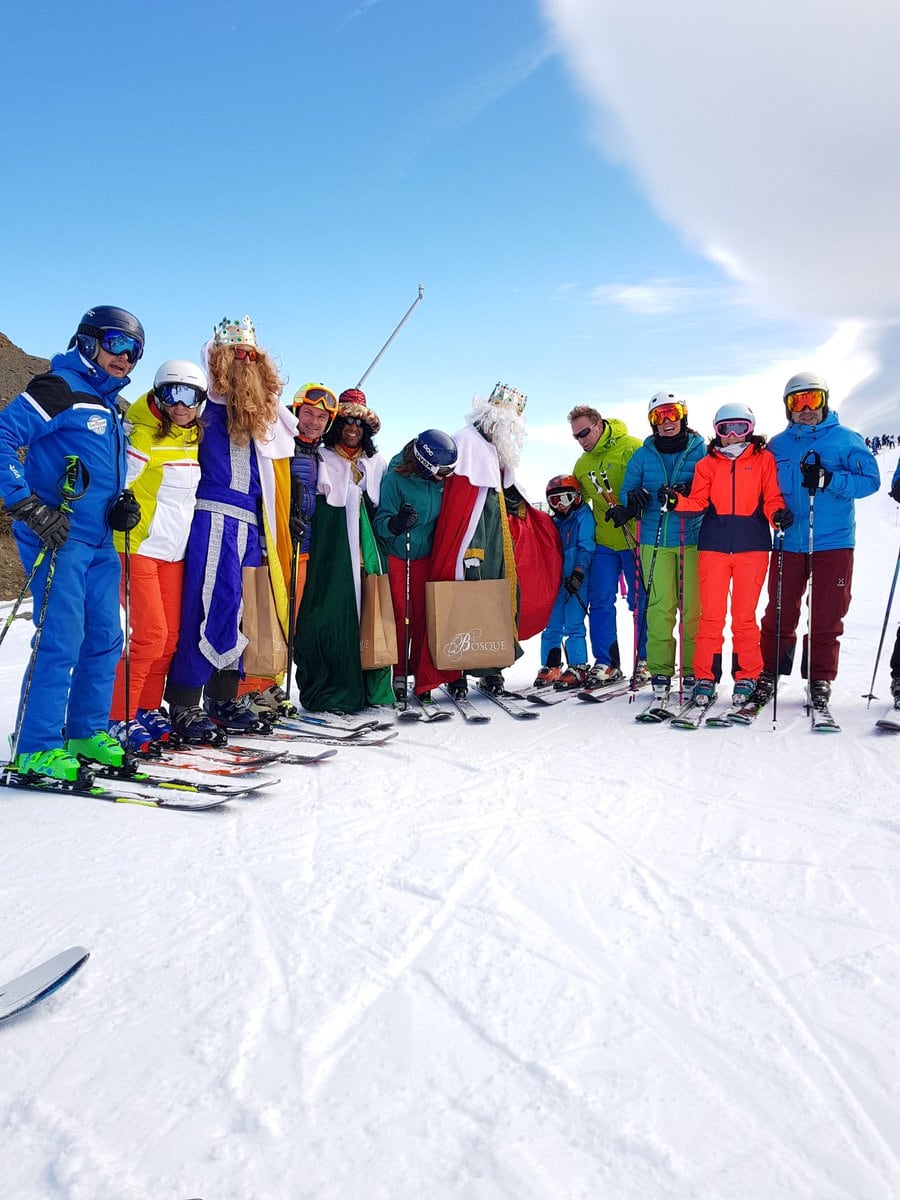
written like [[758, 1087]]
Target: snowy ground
[[575, 958]]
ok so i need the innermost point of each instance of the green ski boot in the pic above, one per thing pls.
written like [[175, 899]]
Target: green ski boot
[[99, 748], [50, 764]]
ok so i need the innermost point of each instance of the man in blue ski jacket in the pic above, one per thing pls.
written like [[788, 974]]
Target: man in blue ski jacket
[[69, 418], [827, 466]]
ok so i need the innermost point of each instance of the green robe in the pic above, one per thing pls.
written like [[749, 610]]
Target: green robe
[[326, 644]]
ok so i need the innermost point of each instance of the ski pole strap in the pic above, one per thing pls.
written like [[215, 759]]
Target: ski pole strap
[[68, 481]]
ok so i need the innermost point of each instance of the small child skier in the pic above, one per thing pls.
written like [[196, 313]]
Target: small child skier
[[575, 524]]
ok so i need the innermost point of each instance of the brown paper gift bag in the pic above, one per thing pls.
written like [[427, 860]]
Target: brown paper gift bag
[[377, 631], [266, 651], [469, 624]]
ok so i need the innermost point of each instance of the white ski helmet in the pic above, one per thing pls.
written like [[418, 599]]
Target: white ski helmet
[[178, 381], [661, 399], [806, 381], [735, 411]]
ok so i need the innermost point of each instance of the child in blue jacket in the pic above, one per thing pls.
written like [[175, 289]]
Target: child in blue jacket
[[575, 524]]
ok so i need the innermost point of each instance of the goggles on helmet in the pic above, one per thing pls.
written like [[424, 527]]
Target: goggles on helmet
[[814, 398], [171, 394], [317, 397], [562, 499], [737, 425], [664, 413], [114, 341]]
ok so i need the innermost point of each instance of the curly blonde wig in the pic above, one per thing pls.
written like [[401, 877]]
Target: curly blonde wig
[[251, 391]]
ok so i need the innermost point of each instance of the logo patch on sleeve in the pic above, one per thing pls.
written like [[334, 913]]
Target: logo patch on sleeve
[[98, 424]]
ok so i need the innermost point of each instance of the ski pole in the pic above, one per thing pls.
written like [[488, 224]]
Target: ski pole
[[405, 318], [681, 557], [609, 496], [292, 615], [810, 458], [780, 576], [645, 614], [21, 596], [870, 695], [69, 496], [406, 629], [126, 579]]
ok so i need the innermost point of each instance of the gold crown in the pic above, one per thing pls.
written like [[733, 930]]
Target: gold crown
[[230, 332], [508, 397]]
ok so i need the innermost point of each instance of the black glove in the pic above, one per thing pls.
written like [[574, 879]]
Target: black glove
[[782, 518], [618, 514], [125, 513], [667, 496], [573, 582], [404, 518], [638, 499], [813, 475], [298, 524], [50, 525], [895, 490]]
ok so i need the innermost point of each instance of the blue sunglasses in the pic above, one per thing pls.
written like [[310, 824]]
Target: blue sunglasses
[[114, 341]]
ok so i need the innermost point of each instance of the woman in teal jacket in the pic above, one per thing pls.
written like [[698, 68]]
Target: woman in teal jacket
[[668, 540], [408, 508]]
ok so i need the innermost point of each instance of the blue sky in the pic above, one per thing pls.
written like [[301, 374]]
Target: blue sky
[[312, 163]]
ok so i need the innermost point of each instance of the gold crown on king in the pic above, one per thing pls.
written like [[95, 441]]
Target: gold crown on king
[[230, 332], [503, 394]]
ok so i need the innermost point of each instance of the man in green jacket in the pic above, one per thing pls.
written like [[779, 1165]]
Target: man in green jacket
[[606, 448]]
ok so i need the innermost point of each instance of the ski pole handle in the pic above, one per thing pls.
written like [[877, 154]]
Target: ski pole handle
[[68, 481]]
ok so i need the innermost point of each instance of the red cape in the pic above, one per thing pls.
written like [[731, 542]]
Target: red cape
[[538, 555]]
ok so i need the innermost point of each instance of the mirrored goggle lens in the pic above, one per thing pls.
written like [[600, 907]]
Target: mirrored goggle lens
[[171, 394], [800, 400], [245, 352], [321, 398], [562, 499], [738, 426], [113, 341], [667, 412], [443, 472]]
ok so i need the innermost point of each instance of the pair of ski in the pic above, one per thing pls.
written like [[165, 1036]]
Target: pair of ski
[[509, 702], [425, 711], [692, 715], [321, 731], [134, 790], [547, 696]]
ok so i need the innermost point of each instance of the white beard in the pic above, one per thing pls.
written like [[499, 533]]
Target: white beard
[[503, 428]]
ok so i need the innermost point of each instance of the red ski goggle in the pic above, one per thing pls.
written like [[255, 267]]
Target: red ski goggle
[[815, 398], [665, 413]]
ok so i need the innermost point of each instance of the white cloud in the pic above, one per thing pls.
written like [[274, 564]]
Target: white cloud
[[767, 134], [645, 299]]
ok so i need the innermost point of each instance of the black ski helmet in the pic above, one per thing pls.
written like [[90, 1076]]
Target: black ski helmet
[[104, 316], [435, 453]]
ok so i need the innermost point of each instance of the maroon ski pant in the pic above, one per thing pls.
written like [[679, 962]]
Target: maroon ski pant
[[832, 573]]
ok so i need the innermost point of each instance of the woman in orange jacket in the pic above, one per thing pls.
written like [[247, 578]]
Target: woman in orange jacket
[[736, 488]]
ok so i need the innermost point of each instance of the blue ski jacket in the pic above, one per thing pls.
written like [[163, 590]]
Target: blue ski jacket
[[576, 533], [70, 410], [648, 468], [854, 475]]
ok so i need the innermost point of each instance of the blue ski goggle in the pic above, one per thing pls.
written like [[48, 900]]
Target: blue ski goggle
[[171, 394], [114, 341]]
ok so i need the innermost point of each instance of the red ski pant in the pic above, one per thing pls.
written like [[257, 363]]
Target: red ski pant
[[832, 575], [418, 574], [155, 613], [743, 575]]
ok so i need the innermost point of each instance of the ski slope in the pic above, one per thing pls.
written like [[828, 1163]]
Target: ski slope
[[571, 958]]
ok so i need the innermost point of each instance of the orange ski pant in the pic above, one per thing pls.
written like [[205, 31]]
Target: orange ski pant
[[155, 616], [743, 576]]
